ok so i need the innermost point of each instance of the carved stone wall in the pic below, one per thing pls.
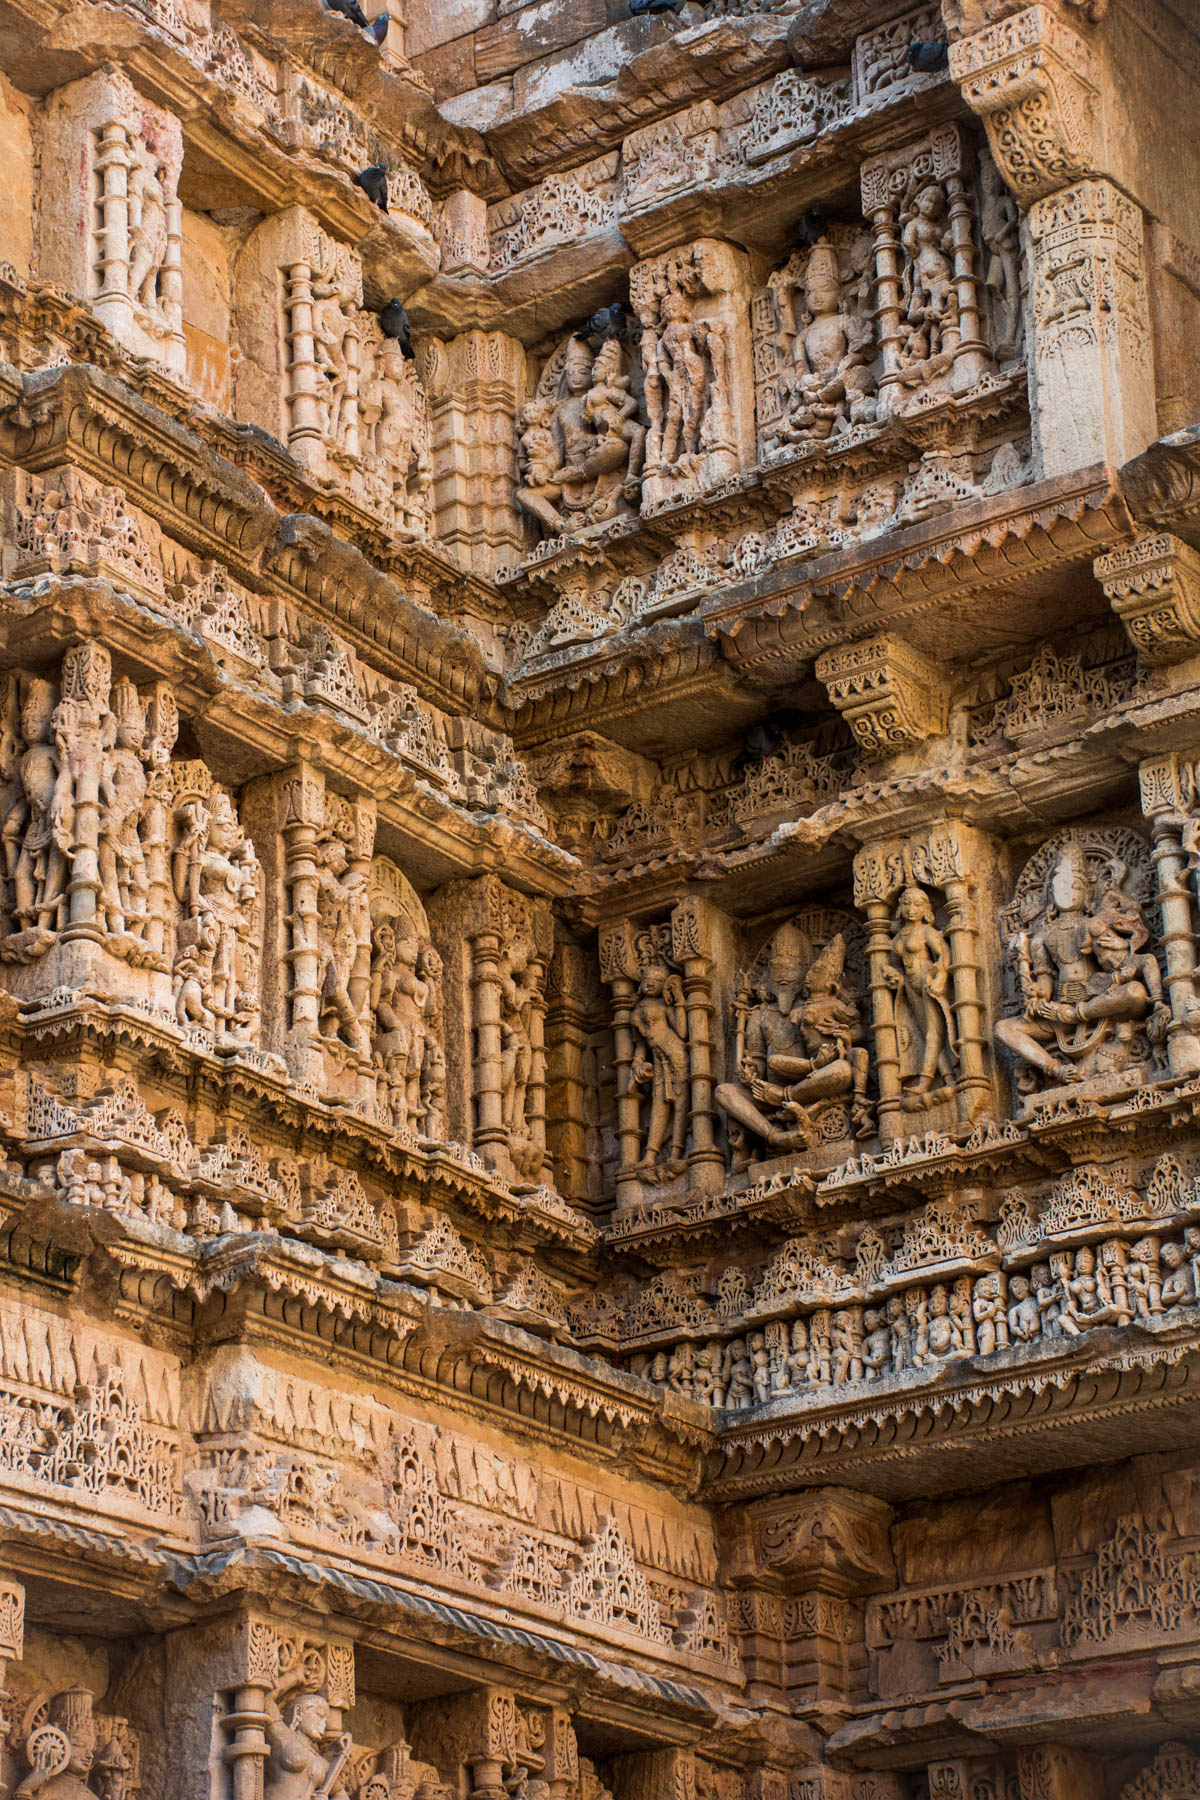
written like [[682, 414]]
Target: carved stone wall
[[599, 901]]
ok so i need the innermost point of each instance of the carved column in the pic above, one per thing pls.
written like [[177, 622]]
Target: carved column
[[476, 383], [304, 432], [571, 1093], [1170, 787], [1035, 84], [12, 1643], [655, 1775], [86, 685], [692, 925], [618, 968], [303, 817], [162, 728], [1056, 1772]]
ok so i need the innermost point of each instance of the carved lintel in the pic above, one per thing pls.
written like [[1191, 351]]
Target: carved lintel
[[1034, 83], [890, 695], [1153, 586]]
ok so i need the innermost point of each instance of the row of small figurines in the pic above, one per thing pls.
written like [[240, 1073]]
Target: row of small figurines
[[1057, 1300]]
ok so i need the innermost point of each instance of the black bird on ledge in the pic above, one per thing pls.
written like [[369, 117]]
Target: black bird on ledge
[[393, 322], [639, 8], [350, 9], [373, 182], [606, 322], [811, 228], [761, 741], [927, 59]]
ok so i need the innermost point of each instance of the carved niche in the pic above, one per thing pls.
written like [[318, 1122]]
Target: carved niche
[[926, 974], [1086, 1011], [935, 318], [113, 237], [583, 437], [405, 1007], [696, 367], [816, 374], [799, 1049], [83, 785]]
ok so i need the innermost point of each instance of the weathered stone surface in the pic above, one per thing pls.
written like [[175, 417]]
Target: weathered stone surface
[[600, 902]]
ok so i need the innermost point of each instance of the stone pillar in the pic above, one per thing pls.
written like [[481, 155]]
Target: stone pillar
[[304, 434], [475, 393], [619, 970], [12, 1644], [1170, 787], [570, 1093], [692, 925], [1056, 1772], [79, 722], [1035, 84]]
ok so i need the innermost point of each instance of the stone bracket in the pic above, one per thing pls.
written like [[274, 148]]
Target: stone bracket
[[1153, 586], [890, 695]]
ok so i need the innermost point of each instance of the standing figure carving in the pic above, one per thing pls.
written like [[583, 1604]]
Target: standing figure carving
[[918, 973], [305, 1760], [39, 827], [148, 235], [123, 784], [217, 883], [343, 927], [660, 1069], [1089, 991], [518, 997]]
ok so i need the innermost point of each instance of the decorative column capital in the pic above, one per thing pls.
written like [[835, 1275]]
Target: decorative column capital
[[1153, 586], [1034, 83], [890, 695]]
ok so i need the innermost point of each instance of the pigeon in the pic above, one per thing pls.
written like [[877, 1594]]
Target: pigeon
[[762, 741], [393, 322], [926, 59], [607, 322], [638, 8], [378, 31], [373, 182], [811, 228], [349, 9]]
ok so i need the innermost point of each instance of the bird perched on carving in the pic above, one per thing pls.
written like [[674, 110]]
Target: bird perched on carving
[[926, 59], [393, 322], [637, 8], [811, 227], [349, 9], [378, 31], [606, 322], [762, 741], [373, 182]]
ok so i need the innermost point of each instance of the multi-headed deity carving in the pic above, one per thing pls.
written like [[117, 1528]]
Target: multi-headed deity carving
[[815, 343], [583, 437], [799, 1050], [1088, 988], [405, 1006]]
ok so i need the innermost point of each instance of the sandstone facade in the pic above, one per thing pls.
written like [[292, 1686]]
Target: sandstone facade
[[600, 901]]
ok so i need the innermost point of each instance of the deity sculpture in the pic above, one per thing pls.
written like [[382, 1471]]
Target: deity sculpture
[[148, 235], [403, 1003], [40, 823], [918, 973], [518, 997], [64, 1762], [660, 1065], [1090, 993], [1000, 230], [394, 434], [798, 1051], [305, 1761], [123, 886], [582, 441], [826, 383], [333, 337], [927, 285], [217, 883], [343, 927]]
